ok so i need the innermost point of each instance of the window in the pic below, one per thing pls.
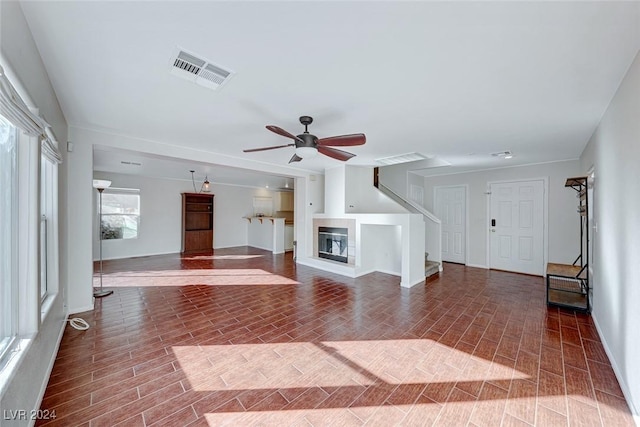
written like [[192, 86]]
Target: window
[[48, 259], [8, 235], [120, 213]]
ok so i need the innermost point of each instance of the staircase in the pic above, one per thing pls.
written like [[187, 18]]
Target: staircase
[[431, 268], [433, 226]]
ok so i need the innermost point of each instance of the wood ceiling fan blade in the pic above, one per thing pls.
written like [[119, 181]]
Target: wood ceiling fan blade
[[335, 153], [251, 150], [282, 132], [295, 158], [343, 140]]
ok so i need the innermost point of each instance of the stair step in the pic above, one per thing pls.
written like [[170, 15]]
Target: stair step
[[431, 268]]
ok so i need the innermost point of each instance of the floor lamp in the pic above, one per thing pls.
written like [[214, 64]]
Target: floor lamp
[[100, 185]]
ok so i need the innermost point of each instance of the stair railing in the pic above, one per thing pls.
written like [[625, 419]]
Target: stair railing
[[433, 225]]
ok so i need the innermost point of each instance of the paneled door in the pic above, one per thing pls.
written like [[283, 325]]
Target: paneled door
[[516, 226], [451, 208]]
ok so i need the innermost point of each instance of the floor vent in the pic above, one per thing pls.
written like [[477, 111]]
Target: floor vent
[[198, 70]]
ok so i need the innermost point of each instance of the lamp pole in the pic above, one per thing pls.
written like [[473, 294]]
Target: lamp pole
[[100, 185]]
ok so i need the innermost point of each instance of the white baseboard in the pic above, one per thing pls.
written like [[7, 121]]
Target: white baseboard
[[484, 267], [616, 371], [410, 285], [393, 273], [343, 270], [139, 255], [80, 309]]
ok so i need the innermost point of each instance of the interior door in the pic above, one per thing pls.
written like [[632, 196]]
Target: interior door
[[517, 226], [451, 208]]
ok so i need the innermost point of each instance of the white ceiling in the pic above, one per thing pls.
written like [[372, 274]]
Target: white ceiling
[[455, 80]]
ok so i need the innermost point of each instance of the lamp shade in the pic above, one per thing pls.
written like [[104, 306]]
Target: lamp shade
[[304, 152], [101, 183]]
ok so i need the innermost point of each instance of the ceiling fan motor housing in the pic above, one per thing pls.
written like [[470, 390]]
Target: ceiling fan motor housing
[[308, 139]]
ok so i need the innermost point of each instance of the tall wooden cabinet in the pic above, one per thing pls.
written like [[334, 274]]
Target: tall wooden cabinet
[[197, 222]]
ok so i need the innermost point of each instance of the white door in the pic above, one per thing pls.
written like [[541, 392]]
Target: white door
[[517, 226], [451, 208]]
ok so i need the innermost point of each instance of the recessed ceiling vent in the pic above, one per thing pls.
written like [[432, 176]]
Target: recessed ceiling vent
[[402, 158], [198, 70]]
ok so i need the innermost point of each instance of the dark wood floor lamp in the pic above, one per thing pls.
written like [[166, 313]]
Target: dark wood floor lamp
[[100, 185]]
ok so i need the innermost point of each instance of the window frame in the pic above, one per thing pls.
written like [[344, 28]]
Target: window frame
[[101, 220], [9, 329]]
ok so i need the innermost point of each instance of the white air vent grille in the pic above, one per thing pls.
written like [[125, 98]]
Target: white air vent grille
[[198, 70], [402, 158]]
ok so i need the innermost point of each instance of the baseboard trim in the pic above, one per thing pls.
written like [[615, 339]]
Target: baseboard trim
[[616, 371], [484, 267], [80, 309], [412, 284]]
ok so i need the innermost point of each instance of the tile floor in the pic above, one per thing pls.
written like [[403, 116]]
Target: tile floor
[[241, 337]]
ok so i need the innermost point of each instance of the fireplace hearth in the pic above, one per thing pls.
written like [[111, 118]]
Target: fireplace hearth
[[333, 243]]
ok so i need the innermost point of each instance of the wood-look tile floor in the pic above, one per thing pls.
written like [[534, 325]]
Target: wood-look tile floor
[[242, 337]]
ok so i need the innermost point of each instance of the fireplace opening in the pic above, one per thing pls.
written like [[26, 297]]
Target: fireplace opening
[[333, 243]]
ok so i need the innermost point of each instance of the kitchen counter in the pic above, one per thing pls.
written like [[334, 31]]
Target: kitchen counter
[[267, 233]]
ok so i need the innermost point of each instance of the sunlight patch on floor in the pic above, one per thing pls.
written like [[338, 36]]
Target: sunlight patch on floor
[[332, 364], [217, 277], [384, 415], [205, 257]]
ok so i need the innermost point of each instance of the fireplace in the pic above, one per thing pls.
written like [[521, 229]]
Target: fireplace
[[333, 243]]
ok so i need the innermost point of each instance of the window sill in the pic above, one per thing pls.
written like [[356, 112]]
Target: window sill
[[10, 366]]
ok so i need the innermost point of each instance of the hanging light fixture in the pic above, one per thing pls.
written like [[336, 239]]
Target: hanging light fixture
[[205, 185], [204, 188], [100, 185]]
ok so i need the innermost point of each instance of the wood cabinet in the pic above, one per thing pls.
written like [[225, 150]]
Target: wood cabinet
[[197, 222], [286, 201]]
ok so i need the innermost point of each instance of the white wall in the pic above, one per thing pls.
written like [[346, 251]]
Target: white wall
[[563, 225], [381, 247], [161, 215], [334, 193], [362, 197], [309, 200], [20, 59], [614, 152]]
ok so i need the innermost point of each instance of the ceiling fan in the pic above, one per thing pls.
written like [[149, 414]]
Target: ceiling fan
[[308, 145]]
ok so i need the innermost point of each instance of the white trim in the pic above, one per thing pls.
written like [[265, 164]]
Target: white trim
[[83, 308], [392, 273], [616, 370], [545, 216], [484, 267], [176, 252], [411, 285], [497, 168]]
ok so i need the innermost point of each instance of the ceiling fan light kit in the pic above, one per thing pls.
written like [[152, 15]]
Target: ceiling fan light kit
[[308, 145], [306, 152]]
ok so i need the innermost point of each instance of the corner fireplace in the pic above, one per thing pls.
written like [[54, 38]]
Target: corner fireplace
[[333, 243]]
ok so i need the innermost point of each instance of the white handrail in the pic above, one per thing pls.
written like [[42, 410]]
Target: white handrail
[[398, 198]]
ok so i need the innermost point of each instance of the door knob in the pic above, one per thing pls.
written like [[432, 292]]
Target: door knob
[[493, 230]]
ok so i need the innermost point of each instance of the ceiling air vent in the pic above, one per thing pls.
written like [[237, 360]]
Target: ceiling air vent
[[198, 70], [402, 158]]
